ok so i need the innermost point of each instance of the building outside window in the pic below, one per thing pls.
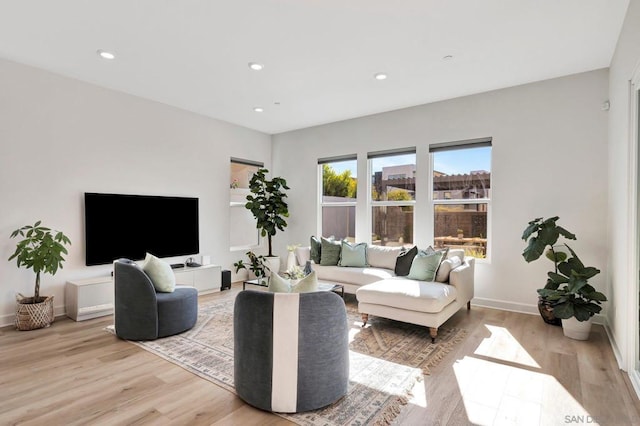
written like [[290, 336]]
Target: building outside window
[[338, 197], [462, 195], [243, 233], [392, 197]]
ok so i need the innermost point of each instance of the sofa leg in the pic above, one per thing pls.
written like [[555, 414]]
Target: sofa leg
[[365, 318], [469, 305], [433, 332]]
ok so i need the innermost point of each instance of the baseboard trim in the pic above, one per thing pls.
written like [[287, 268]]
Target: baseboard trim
[[505, 306], [521, 308]]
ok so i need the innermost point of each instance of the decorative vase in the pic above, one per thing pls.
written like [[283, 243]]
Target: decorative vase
[[546, 312], [578, 330], [30, 315], [291, 260]]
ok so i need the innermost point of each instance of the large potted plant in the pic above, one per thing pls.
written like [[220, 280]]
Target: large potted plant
[[42, 250], [268, 206], [567, 291], [541, 236]]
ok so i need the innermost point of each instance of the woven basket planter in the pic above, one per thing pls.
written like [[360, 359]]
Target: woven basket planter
[[30, 315]]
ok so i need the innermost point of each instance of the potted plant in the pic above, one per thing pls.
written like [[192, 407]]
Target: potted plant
[[257, 266], [268, 206], [42, 250], [567, 294]]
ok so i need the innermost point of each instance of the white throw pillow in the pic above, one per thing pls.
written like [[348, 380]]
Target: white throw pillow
[[383, 256], [448, 265], [277, 284], [160, 274]]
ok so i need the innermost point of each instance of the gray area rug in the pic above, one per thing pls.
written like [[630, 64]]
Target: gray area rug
[[386, 360]]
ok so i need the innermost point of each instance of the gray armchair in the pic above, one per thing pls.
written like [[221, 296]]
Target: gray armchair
[[291, 350], [141, 313]]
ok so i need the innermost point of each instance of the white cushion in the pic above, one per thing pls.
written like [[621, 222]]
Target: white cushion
[[382, 256], [160, 274], [408, 294], [455, 252], [357, 276], [277, 284], [447, 265]]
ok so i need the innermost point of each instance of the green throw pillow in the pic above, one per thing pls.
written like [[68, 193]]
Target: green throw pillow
[[330, 252], [425, 266], [160, 274], [353, 255], [404, 260], [316, 248], [277, 284]]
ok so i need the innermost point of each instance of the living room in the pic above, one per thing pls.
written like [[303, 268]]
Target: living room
[[556, 150]]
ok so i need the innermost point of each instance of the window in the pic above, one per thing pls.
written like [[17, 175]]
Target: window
[[462, 195], [339, 192], [243, 233], [392, 197]]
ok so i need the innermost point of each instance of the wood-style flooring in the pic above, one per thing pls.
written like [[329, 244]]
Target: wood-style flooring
[[511, 369]]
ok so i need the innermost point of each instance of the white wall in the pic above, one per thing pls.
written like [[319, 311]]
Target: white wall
[[549, 158], [60, 137], [623, 282]]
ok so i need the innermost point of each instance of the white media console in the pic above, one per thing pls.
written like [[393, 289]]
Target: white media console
[[93, 297]]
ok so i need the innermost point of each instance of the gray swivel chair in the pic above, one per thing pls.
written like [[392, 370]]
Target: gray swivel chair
[[291, 350], [141, 313]]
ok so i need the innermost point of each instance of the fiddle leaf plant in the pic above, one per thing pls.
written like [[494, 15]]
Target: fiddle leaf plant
[[40, 249], [567, 287], [267, 204]]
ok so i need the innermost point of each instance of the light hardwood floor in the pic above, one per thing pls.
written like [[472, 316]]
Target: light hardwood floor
[[511, 369]]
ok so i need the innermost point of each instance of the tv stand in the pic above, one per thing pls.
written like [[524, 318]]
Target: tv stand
[[93, 297]]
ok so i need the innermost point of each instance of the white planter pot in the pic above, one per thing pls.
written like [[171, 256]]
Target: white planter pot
[[274, 264], [578, 330]]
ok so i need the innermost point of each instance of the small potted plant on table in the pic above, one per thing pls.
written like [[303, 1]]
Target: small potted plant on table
[[40, 249]]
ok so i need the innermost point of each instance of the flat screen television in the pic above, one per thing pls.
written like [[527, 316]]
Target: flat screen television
[[129, 226]]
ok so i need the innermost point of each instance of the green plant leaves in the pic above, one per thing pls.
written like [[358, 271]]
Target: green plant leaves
[[40, 250]]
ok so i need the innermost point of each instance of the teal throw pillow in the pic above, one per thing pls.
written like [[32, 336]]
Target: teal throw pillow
[[404, 261], [425, 266], [316, 247], [330, 252], [160, 274], [353, 255]]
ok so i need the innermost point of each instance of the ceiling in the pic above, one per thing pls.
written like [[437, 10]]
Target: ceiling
[[319, 56]]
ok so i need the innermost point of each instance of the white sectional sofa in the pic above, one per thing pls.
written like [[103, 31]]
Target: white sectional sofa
[[380, 292]]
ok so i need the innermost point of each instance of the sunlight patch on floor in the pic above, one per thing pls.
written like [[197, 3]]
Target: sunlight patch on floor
[[502, 345], [497, 394]]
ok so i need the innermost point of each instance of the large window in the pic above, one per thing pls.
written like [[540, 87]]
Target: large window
[[462, 195], [243, 233], [339, 192], [392, 197]]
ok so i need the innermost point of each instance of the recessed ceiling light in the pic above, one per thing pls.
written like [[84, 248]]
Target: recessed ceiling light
[[255, 66], [447, 57], [380, 76], [258, 109], [105, 55]]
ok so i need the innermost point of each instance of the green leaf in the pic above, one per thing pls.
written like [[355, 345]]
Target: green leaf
[[563, 310]]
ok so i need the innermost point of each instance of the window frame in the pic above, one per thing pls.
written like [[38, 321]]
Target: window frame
[[460, 145], [241, 204], [371, 203], [321, 203]]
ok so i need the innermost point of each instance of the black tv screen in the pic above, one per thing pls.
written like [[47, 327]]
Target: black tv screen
[[129, 226]]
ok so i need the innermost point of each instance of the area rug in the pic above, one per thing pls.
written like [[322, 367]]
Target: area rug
[[386, 359]]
